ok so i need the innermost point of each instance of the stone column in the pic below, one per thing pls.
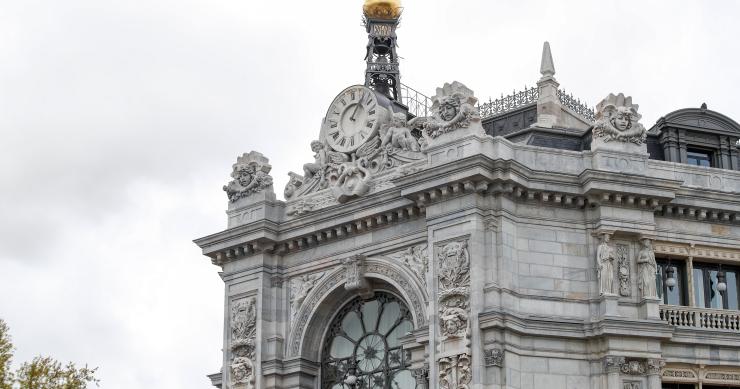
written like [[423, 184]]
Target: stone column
[[682, 157], [690, 281], [611, 368], [654, 366]]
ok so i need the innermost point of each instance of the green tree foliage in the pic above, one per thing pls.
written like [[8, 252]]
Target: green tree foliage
[[41, 372], [6, 355]]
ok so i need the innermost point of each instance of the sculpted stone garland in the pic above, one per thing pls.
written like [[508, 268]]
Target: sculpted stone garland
[[623, 269], [243, 342]]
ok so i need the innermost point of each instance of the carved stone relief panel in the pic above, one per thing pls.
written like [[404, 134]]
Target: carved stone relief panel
[[455, 372], [243, 325], [623, 269], [299, 288], [454, 289], [415, 259]]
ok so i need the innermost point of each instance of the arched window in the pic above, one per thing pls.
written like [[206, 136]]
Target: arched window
[[362, 348]]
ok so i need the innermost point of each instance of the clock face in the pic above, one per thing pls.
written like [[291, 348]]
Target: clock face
[[353, 118]]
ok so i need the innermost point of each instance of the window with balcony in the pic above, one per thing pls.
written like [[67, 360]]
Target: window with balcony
[[671, 282], [715, 287]]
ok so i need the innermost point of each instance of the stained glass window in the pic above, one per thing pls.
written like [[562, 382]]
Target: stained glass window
[[362, 349]]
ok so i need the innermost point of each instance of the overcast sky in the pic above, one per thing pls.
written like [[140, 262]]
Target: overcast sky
[[120, 121]]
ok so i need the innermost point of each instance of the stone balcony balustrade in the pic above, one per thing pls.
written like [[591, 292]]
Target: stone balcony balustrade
[[704, 318]]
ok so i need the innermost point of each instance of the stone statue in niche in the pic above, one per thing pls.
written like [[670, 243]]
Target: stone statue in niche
[[250, 175], [453, 107], [243, 342], [646, 269], [605, 260], [617, 120], [398, 135]]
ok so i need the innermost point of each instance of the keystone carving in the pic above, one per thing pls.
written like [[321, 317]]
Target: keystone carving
[[250, 175], [355, 280], [243, 340], [617, 120]]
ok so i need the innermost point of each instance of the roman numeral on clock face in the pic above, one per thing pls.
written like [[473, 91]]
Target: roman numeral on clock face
[[370, 123], [333, 123], [343, 141], [334, 135]]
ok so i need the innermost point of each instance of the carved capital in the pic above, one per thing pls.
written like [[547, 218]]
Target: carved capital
[[613, 364], [421, 376], [655, 366], [494, 357]]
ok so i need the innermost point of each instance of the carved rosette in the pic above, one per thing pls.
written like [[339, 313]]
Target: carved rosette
[[415, 259], [454, 289], [455, 372], [250, 175], [243, 342], [300, 286]]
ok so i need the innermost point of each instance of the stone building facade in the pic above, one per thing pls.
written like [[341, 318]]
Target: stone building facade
[[527, 242]]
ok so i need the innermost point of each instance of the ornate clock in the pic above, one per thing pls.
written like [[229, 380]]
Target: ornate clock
[[354, 117]]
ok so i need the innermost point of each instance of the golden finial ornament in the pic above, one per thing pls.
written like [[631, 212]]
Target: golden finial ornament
[[382, 9]]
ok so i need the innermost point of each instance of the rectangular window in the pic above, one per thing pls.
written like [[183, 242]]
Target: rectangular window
[[699, 157], [672, 295], [706, 286]]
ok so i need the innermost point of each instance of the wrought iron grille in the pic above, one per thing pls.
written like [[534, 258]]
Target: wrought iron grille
[[418, 103], [508, 103], [576, 105]]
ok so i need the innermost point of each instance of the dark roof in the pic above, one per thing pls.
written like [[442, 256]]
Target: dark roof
[[700, 119]]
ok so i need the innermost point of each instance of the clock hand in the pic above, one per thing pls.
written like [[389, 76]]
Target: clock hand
[[352, 118]]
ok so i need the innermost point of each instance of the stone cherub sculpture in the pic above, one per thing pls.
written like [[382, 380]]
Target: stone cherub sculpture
[[617, 119], [320, 160], [453, 107], [398, 135], [646, 269], [605, 259], [250, 175]]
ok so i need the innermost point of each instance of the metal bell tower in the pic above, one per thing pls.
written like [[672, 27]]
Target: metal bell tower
[[382, 74]]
